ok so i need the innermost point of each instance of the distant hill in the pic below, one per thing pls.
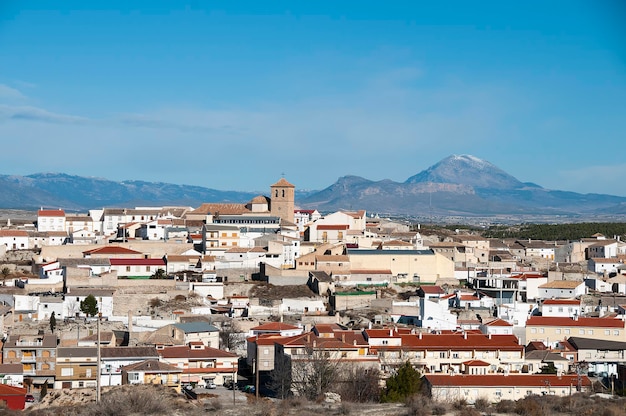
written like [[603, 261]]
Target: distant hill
[[460, 186], [455, 186]]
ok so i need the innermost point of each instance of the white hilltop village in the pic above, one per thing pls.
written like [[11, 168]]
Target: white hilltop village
[[228, 294]]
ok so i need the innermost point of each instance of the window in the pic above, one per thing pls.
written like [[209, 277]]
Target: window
[[128, 268], [133, 376], [567, 331], [616, 332], [581, 332], [558, 330], [442, 354], [66, 372], [590, 332], [533, 330], [607, 332]]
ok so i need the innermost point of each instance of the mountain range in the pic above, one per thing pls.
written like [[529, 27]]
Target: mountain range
[[459, 185]]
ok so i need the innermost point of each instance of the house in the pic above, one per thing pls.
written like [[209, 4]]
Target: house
[[76, 367], [50, 220], [447, 351], [321, 283], [429, 292], [276, 328], [36, 354], [335, 227], [407, 266], [152, 372], [603, 249], [496, 326], [536, 360], [113, 359], [604, 266], [562, 289], [600, 356], [496, 387], [132, 268], [13, 397], [201, 364], [561, 307], [74, 297], [12, 374], [14, 239], [552, 329], [184, 333]]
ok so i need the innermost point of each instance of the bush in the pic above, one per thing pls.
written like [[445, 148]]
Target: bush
[[459, 404], [439, 409], [418, 405], [481, 404], [505, 406]]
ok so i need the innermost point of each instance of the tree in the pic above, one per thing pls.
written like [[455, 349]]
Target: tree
[[404, 384], [231, 336], [316, 372], [44, 390], [53, 322], [359, 383], [280, 377], [89, 306], [548, 368], [159, 274], [5, 272]]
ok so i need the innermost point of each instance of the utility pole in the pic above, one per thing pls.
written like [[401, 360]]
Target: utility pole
[[98, 386], [256, 385], [233, 381]]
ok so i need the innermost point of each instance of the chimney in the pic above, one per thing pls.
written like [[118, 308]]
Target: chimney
[[130, 322], [390, 332], [464, 335], [490, 335], [420, 335]]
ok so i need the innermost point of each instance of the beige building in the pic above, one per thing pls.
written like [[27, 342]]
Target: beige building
[[407, 266], [496, 387], [552, 329]]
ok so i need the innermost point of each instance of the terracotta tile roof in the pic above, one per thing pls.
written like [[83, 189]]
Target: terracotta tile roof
[[223, 209], [561, 302], [581, 321], [152, 366], [184, 351], [8, 390], [129, 352], [561, 284], [496, 322], [476, 363], [137, 262], [274, 326], [477, 341], [332, 227], [51, 213], [432, 290], [283, 183], [13, 233], [111, 250]]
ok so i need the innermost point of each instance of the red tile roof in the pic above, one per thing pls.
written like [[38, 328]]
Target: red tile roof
[[110, 250], [13, 233], [183, 351], [51, 213], [561, 302], [274, 326], [460, 341], [332, 227], [137, 262], [566, 321]]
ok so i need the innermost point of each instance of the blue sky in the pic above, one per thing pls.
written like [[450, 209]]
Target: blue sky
[[232, 95]]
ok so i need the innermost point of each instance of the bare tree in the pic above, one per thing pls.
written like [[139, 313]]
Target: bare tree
[[316, 372], [280, 377], [359, 383], [231, 337]]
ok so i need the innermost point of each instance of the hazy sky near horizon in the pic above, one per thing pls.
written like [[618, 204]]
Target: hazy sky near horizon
[[234, 95]]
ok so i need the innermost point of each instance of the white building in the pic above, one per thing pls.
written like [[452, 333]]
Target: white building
[[14, 239], [561, 307], [562, 289]]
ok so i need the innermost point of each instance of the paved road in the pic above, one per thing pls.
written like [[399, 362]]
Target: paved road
[[224, 395]]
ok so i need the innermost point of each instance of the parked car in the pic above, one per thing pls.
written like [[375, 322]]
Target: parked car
[[30, 398], [230, 385], [249, 389], [210, 384]]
